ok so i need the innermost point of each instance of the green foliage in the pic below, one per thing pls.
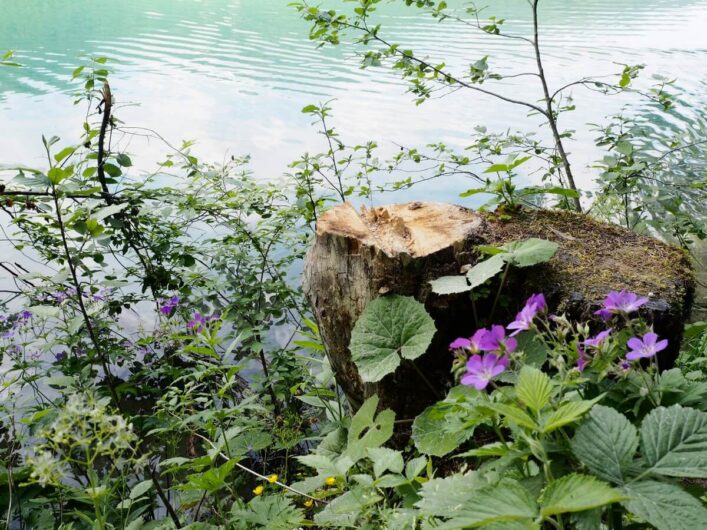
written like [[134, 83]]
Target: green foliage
[[526, 253], [161, 369], [390, 329]]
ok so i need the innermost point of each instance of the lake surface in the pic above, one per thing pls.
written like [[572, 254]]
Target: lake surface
[[234, 74]]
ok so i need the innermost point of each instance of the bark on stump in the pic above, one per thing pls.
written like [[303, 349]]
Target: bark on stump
[[360, 255]]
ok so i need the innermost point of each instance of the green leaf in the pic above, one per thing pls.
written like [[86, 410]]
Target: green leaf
[[534, 349], [473, 191], [44, 311], [140, 489], [587, 520], [390, 328], [576, 493], [445, 497], [385, 459], [530, 252], [566, 414], [606, 443], [271, 512], [345, 510], [674, 442], [112, 170], [368, 430], [485, 270], [124, 160], [533, 388], [108, 211], [441, 428], [57, 174], [665, 506], [450, 285], [506, 502], [64, 153], [552, 190], [515, 415]]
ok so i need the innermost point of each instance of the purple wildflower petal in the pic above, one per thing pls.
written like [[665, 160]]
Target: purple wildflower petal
[[538, 300], [480, 370], [474, 364], [598, 339], [634, 343], [475, 380], [646, 347], [460, 343]]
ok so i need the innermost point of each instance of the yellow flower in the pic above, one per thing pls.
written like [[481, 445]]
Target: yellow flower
[[330, 481], [308, 503], [258, 490], [272, 478]]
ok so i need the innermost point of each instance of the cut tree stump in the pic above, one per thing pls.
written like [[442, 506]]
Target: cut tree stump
[[398, 249]]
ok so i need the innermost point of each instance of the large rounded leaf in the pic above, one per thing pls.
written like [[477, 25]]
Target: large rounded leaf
[[530, 252], [390, 328]]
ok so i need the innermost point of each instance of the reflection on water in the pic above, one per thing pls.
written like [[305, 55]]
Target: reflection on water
[[234, 73]]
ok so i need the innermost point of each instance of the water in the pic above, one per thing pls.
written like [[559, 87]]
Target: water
[[234, 74]]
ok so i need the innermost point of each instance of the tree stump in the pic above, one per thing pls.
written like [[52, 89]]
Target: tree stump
[[398, 249]]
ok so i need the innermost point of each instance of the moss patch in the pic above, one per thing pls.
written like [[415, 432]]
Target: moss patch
[[596, 257]]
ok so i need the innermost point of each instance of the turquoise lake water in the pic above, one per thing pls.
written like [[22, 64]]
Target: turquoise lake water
[[234, 74]]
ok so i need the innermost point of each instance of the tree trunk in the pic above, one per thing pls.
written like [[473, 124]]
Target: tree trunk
[[360, 255]]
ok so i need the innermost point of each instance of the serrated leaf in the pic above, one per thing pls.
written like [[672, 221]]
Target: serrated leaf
[[566, 414], [505, 502], [606, 443], [485, 270], [450, 285], [515, 415], [665, 506], [345, 510], [270, 512], [576, 493], [390, 328], [533, 388], [441, 428], [385, 459], [530, 251], [445, 497], [674, 442]]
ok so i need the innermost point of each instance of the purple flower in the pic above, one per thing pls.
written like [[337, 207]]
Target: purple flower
[[102, 294], [538, 300], [646, 347], [460, 344], [620, 302], [598, 339], [523, 320], [198, 322], [472, 344], [25, 315], [60, 356], [168, 306], [480, 370], [495, 340]]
